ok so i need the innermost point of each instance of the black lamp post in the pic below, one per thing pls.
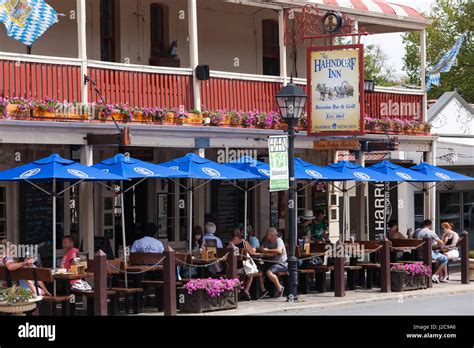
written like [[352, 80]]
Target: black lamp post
[[291, 100]]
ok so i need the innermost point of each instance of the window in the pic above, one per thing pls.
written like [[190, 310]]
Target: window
[[419, 209], [158, 32], [271, 48], [3, 213], [107, 30]]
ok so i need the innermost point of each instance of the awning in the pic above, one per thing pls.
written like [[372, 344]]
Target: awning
[[374, 6]]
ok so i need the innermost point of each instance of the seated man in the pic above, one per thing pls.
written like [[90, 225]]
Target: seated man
[[148, 244], [436, 255], [209, 231], [276, 247]]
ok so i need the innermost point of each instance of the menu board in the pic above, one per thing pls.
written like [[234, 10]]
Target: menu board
[[226, 208], [37, 215]]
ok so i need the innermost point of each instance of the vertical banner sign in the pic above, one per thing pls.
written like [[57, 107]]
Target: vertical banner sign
[[279, 171], [379, 194], [336, 80]]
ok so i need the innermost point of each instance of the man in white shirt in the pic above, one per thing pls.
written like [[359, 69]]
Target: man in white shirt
[[436, 255], [148, 244], [209, 231]]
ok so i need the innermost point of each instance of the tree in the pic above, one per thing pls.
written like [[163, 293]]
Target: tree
[[451, 18], [376, 66]]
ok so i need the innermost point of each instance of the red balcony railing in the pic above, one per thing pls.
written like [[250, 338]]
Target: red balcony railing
[[35, 77], [60, 78], [141, 85]]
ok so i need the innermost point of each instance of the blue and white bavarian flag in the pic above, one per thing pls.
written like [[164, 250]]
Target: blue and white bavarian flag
[[26, 20], [444, 65]]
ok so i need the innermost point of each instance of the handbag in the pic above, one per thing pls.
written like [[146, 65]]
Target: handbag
[[250, 267]]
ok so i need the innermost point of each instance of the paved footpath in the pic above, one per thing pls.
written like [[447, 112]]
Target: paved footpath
[[314, 303], [311, 304]]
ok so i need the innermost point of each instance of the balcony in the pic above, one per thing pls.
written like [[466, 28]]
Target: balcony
[[38, 77]]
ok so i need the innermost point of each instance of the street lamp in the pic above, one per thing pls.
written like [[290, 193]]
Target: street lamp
[[291, 100]]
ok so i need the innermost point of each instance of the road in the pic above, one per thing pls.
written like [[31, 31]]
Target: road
[[460, 304]]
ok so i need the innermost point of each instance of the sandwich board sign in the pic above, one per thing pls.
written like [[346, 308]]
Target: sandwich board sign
[[279, 170]]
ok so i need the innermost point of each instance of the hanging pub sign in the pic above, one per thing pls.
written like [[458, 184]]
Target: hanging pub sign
[[336, 82], [278, 158]]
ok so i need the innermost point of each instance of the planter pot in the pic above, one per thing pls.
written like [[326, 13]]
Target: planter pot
[[199, 301], [206, 121], [194, 118], [400, 281], [159, 122], [19, 308], [42, 113], [178, 122]]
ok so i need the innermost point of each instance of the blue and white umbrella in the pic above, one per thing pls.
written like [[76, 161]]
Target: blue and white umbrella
[[201, 168], [132, 168], [53, 169]]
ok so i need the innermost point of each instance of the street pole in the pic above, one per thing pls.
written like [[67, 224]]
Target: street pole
[[292, 260]]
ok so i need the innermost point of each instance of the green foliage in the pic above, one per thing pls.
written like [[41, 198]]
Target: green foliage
[[376, 65], [451, 18], [377, 68]]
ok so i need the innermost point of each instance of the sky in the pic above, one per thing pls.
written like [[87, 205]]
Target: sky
[[395, 50]]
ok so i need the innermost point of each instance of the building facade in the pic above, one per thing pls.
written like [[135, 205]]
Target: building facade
[[144, 54]]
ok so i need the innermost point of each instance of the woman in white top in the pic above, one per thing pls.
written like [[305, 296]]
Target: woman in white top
[[450, 239]]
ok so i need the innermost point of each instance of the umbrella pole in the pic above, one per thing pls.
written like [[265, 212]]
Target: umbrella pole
[[124, 241], [344, 211], [191, 218], [54, 225], [246, 195], [385, 211]]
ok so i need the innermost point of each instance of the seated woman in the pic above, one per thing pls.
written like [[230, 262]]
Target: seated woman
[[12, 265], [239, 242], [450, 239]]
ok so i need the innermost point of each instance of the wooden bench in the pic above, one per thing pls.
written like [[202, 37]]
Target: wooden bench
[[149, 259], [36, 275]]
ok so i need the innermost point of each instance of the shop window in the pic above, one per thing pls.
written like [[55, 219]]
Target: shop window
[[450, 208], [3, 213], [271, 48], [107, 30], [419, 210]]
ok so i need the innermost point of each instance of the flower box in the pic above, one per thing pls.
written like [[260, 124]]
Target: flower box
[[199, 301], [410, 276], [401, 281], [39, 112], [194, 118]]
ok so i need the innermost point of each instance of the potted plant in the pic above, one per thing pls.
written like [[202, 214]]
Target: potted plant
[[409, 276], [124, 112], [227, 118], [159, 115], [180, 116], [17, 300], [20, 107], [248, 119], [102, 111], [426, 127], [170, 115], [302, 122], [204, 295], [235, 118], [217, 117], [206, 117], [397, 125], [194, 117], [46, 108], [4, 107]]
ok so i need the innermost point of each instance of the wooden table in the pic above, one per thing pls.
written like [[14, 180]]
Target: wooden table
[[138, 272]]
